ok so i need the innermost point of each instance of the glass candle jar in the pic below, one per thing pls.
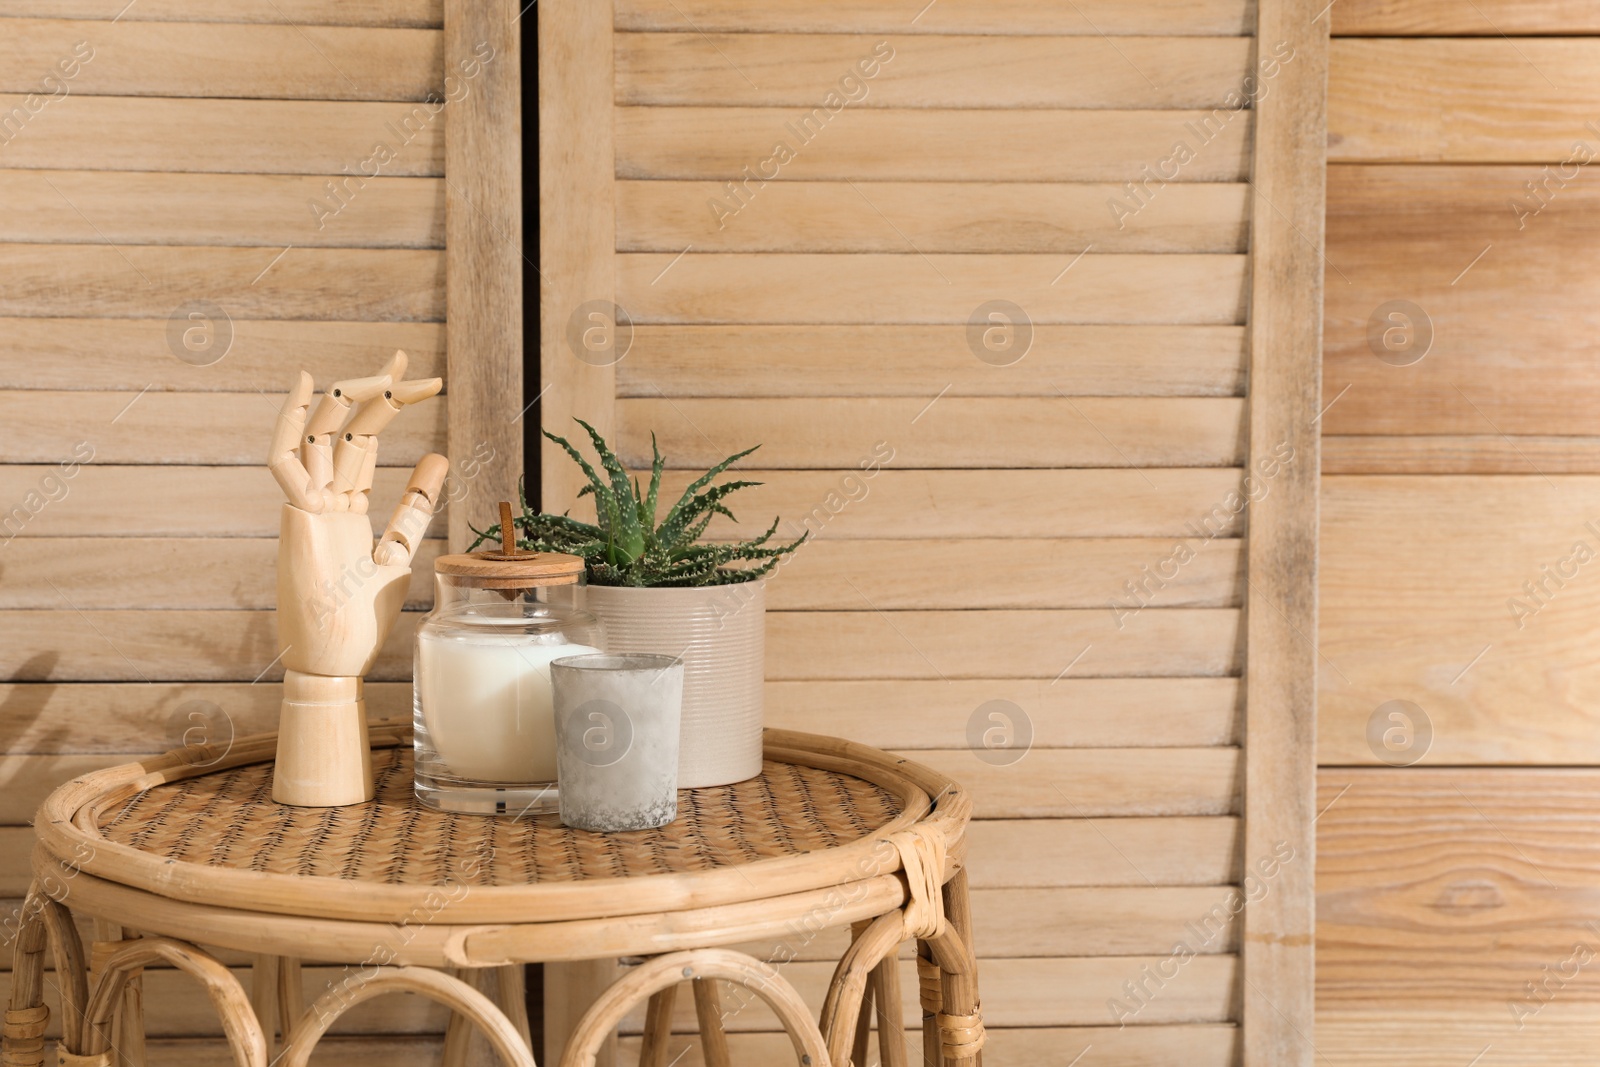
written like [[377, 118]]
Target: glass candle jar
[[483, 708]]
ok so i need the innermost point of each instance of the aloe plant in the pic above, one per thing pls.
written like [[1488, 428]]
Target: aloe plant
[[626, 546]]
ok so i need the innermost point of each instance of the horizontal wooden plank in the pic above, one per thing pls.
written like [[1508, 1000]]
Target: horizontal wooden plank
[[1021, 992], [1496, 287], [1455, 889], [77, 353], [419, 13], [798, 70], [1561, 1035], [932, 144], [917, 505], [245, 502], [16, 845], [179, 573], [175, 1007], [1108, 852], [1105, 922], [1200, 1045], [109, 500], [1114, 921], [226, 136], [157, 281], [157, 646], [123, 719], [1460, 454], [1072, 712], [1094, 782], [1482, 18], [1054, 573], [90, 717], [28, 780], [1206, 17], [1461, 101], [808, 433], [211, 429], [83, 207], [217, 59], [1064, 218], [1160, 642], [1111, 288], [1468, 597], [223, 646], [911, 360]]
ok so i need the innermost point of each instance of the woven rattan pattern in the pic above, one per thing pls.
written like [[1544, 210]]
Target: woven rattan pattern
[[228, 819]]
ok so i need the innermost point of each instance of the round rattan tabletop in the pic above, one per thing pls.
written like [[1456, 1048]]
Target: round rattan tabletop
[[192, 843], [185, 853]]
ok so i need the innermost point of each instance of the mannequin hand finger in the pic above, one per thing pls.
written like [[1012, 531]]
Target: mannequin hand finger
[[284, 458], [403, 535]]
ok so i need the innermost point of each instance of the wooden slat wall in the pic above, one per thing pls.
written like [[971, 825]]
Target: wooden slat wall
[[1453, 894], [178, 164], [972, 524]]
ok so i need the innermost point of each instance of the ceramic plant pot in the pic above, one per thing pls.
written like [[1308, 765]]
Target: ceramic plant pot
[[719, 632]]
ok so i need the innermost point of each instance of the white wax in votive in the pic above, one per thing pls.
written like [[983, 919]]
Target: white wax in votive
[[487, 704]]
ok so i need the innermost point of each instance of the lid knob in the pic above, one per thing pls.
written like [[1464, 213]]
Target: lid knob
[[508, 530]]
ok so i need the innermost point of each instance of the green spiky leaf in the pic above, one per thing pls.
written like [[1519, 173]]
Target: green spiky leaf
[[625, 545]]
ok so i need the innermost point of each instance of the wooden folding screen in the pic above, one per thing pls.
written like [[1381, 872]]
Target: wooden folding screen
[[201, 199], [1457, 916], [1022, 302]]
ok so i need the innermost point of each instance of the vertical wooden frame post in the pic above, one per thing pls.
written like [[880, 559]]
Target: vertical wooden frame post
[[581, 336], [1285, 328], [483, 257]]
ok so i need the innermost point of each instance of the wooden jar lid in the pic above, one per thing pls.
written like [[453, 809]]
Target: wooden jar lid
[[525, 570], [512, 568]]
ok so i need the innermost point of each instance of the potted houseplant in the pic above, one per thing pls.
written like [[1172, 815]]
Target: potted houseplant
[[659, 588]]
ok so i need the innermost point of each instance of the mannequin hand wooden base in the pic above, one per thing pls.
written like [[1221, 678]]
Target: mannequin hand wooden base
[[324, 760]]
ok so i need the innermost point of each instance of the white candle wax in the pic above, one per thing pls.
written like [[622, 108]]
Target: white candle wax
[[487, 704]]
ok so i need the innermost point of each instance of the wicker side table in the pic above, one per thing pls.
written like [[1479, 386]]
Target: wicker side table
[[189, 849]]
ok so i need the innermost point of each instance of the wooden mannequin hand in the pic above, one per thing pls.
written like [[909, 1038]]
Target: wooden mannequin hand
[[339, 593]]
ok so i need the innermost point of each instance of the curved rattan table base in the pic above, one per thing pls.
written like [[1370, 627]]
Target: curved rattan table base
[[189, 849]]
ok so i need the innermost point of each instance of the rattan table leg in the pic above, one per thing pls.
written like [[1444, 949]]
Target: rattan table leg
[[461, 1049], [658, 1027], [891, 1022], [130, 1023], [708, 1011], [461, 998], [863, 1039], [22, 1040], [657, 974], [960, 1020], [506, 987], [125, 1037], [843, 1008], [511, 994], [930, 988], [227, 996], [570, 990], [291, 998], [72, 973], [264, 971]]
